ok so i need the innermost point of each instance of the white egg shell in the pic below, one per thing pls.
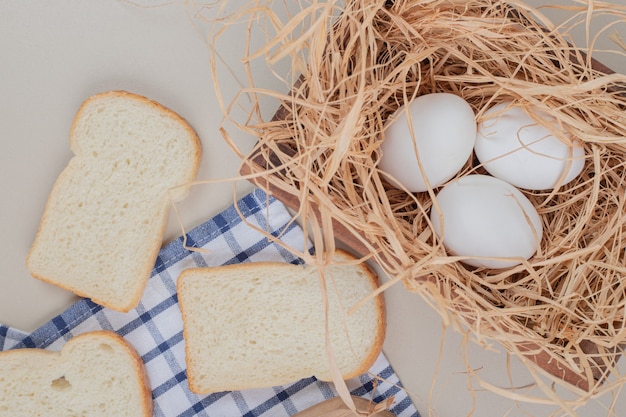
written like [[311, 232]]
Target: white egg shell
[[514, 147], [485, 217], [444, 128]]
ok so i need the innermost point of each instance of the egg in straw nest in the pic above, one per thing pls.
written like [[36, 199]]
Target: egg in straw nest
[[359, 62]]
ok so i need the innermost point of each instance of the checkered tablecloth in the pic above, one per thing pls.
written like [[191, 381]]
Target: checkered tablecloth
[[155, 328]]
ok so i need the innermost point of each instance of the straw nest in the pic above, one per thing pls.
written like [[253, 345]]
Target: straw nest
[[359, 62]]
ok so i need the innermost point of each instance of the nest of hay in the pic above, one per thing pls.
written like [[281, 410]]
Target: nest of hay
[[565, 308]]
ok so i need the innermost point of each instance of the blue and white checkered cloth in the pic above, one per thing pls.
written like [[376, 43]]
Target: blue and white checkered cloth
[[155, 327]]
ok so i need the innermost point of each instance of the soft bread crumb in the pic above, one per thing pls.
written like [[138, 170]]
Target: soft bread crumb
[[96, 374], [262, 324], [104, 221]]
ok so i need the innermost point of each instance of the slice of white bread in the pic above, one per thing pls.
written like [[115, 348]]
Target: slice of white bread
[[104, 221], [96, 374], [261, 324]]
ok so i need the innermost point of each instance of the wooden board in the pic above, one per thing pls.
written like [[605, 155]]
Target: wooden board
[[336, 407]]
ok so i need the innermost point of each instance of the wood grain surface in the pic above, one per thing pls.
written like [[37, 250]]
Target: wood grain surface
[[336, 407]]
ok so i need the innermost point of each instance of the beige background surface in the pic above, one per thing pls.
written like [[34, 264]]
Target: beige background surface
[[54, 54]]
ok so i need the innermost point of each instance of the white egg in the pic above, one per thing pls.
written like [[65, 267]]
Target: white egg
[[485, 218], [514, 147], [444, 128]]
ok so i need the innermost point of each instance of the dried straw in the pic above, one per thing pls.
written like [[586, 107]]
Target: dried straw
[[567, 304]]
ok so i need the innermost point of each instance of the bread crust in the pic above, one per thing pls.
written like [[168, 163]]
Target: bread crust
[[366, 363], [152, 103], [114, 338], [156, 240], [138, 365], [140, 370], [382, 328]]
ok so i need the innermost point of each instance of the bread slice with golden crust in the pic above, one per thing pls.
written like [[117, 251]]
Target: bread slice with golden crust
[[104, 221], [95, 374], [262, 324]]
